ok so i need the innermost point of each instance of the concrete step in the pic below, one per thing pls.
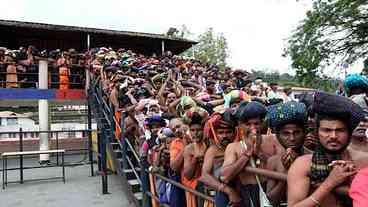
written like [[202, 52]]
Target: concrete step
[[133, 182], [138, 195]]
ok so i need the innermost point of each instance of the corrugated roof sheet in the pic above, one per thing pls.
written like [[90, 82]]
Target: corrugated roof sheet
[[55, 27]]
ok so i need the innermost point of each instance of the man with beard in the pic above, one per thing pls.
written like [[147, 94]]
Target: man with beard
[[313, 178], [250, 149], [288, 121], [220, 130], [193, 155]]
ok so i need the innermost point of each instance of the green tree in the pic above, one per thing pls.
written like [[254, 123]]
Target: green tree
[[333, 32], [211, 48]]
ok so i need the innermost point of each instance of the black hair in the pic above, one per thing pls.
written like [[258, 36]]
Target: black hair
[[196, 119], [340, 117], [299, 123]]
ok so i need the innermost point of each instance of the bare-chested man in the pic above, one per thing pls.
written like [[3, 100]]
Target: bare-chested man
[[220, 129], [359, 140], [193, 156], [251, 146], [288, 121], [312, 178]]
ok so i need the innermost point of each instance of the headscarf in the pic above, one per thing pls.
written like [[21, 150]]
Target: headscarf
[[234, 95], [355, 81], [195, 115], [284, 113], [216, 121], [249, 110], [184, 102]]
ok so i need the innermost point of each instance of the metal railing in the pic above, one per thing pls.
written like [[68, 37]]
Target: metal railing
[[21, 140], [76, 79]]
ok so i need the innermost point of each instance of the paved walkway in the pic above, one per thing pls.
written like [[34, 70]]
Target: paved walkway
[[80, 190]]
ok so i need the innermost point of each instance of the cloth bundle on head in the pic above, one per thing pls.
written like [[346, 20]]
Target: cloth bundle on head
[[355, 81], [165, 133], [249, 110], [185, 102], [218, 121], [195, 115], [284, 113], [234, 95], [326, 104]]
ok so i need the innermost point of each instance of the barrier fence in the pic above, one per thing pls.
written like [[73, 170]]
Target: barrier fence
[[87, 149], [76, 78]]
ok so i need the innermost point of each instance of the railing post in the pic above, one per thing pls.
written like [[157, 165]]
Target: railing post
[[21, 156], [145, 182], [104, 167], [57, 147], [99, 140], [122, 140], [90, 152]]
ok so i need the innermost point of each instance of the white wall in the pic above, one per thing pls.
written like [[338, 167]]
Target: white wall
[[28, 124]]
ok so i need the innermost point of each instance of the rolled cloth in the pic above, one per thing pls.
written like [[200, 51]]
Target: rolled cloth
[[326, 104], [249, 110], [216, 121], [355, 81], [284, 113], [185, 101], [195, 115], [236, 95]]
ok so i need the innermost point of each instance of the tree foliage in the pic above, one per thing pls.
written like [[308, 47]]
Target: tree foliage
[[212, 48], [333, 32], [324, 83]]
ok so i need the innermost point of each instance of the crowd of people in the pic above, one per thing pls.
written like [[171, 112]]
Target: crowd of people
[[203, 127], [207, 127], [19, 68]]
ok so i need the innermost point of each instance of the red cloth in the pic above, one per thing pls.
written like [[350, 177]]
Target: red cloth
[[359, 189]]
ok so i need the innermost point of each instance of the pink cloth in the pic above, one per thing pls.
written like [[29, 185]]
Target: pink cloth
[[359, 189]]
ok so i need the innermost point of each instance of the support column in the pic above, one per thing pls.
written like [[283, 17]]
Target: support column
[[163, 48], [43, 110]]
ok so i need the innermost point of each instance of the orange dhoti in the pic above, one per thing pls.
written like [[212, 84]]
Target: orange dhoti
[[63, 78], [117, 126], [11, 76]]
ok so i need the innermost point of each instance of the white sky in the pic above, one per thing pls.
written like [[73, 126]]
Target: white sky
[[255, 29]]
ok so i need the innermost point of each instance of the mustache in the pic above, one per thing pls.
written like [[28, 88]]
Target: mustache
[[334, 142]]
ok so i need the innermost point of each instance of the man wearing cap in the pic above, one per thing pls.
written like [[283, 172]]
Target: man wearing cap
[[356, 87], [312, 178], [250, 149], [288, 121]]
